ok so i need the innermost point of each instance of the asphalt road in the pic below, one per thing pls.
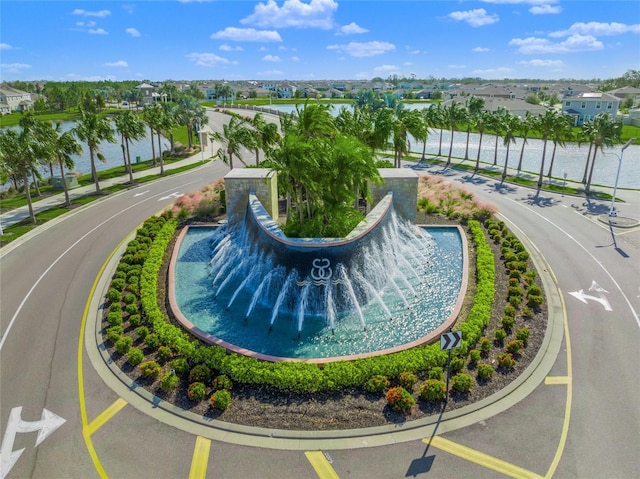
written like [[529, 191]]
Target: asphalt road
[[582, 421]]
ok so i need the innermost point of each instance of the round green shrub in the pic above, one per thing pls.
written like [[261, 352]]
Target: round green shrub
[[129, 298], [485, 371], [515, 301], [115, 308], [514, 346], [377, 384], [432, 390], [123, 345], [534, 290], [142, 332], [220, 399], [500, 335], [169, 382], [180, 366], [514, 273], [200, 374], [462, 382], [523, 334], [135, 320], [127, 258], [150, 369], [131, 308], [120, 274], [196, 391], [114, 319], [114, 333], [514, 282], [407, 380], [222, 382], [436, 372], [509, 311], [152, 341], [123, 267], [523, 256], [118, 284], [474, 355], [165, 354], [530, 276], [113, 295], [508, 322], [534, 301], [135, 356], [506, 361], [457, 364], [399, 399], [485, 345]]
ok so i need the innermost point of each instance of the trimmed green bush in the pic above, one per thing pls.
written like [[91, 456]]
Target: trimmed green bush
[[500, 335], [508, 322], [114, 319], [485, 345], [485, 371], [165, 354], [196, 391], [408, 380], [150, 369], [129, 298], [534, 301], [200, 374], [180, 366], [114, 333], [220, 399], [123, 345], [474, 355], [135, 356], [113, 295], [432, 390], [169, 382], [523, 334], [152, 341], [135, 320], [131, 308], [457, 364], [118, 284], [142, 332], [514, 346], [377, 384], [506, 361], [115, 308], [462, 382], [399, 399], [436, 372], [222, 382]]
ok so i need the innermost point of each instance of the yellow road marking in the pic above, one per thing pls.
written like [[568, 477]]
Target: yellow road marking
[[105, 415], [321, 465], [480, 458], [200, 459], [549, 380]]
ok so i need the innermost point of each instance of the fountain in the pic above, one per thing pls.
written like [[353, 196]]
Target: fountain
[[388, 285]]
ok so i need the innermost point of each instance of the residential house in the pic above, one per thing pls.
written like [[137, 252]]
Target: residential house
[[587, 105], [12, 100], [150, 94], [625, 92]]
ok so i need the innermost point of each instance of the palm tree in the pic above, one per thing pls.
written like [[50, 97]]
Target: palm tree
[[474, 107], [265, 134], [453, 115], [562, 133], [131, 127], [92, 129], [545, 124], [606, 132], [235, 135], [496, 123], [481, 122], [62, 145], [510, 124], [526, 124], [153, 117]]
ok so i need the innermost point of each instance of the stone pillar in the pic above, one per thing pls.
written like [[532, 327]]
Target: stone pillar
[[239, 182], [403, 182]]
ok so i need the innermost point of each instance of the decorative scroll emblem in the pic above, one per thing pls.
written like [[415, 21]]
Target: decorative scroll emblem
[[321, 270]]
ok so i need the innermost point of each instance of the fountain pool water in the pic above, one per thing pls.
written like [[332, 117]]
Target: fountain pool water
[[388, 286]]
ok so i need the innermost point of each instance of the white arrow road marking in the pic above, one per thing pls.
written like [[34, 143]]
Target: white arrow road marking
[[582, 296], [45, 427], [172, 195], [141, 193]]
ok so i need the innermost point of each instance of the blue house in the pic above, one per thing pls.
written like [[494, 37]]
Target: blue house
[[586, 106]]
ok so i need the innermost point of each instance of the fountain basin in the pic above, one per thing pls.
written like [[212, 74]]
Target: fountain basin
[[401, 313]]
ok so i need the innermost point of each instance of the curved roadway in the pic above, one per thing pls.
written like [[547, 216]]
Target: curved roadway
[[61, 419]]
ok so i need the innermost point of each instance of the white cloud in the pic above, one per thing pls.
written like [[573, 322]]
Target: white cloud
[[133, 32], [119, 64], [271, 58], [479, 49], [575, 43], [456, 66], [527, 2], [268, 73], [86, 13], [597, 28], [13, 67], [368, 49], [386, 69], [228, 48], [5, 46], [293, 13], [208, 59], [97, 31], [247, 35], [476, 18], [415, 52], [543, 63], [545, 10], [408, 64], [294, 59], [500, 72], [351, 29], [361, 76], [88, 24]]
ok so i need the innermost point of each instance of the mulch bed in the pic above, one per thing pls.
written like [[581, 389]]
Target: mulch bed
[[261, 406]]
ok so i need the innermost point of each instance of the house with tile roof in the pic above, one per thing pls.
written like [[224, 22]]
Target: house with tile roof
[[12, 99]]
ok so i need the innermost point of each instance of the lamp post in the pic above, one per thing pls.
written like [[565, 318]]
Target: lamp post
[[615, 186]]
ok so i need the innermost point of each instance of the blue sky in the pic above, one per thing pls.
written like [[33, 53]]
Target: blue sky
[[317, 39]]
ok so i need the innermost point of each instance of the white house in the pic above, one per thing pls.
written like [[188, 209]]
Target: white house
[[12, 99]]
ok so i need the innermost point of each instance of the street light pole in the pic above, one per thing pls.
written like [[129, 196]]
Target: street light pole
[[615, 186]]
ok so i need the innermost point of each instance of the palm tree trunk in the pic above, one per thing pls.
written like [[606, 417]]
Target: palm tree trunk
[[479, 150], [424, 148], [129, 161], [544, 152], [586, 166], [94, 173], [553, 157], [450, 148], [124, 155], [67, 201], [495, 152], [466, 149], [36, 184], [440, 144], [257, 158], [506, 163], [160, 154], [593, 163], [32, 216], [521, 155], [153, 148]]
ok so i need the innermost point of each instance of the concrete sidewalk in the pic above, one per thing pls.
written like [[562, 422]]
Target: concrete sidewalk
[[18, 214]]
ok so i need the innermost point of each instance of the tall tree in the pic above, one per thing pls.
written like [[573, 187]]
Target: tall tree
[[454, 114], [475, 105], [545, 124], [265, 134], [510, 124], [131, 127], [235, 135], [92, 129], [152, 115], [562, 133], [481, 121], [605, 132], [526, 125]]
